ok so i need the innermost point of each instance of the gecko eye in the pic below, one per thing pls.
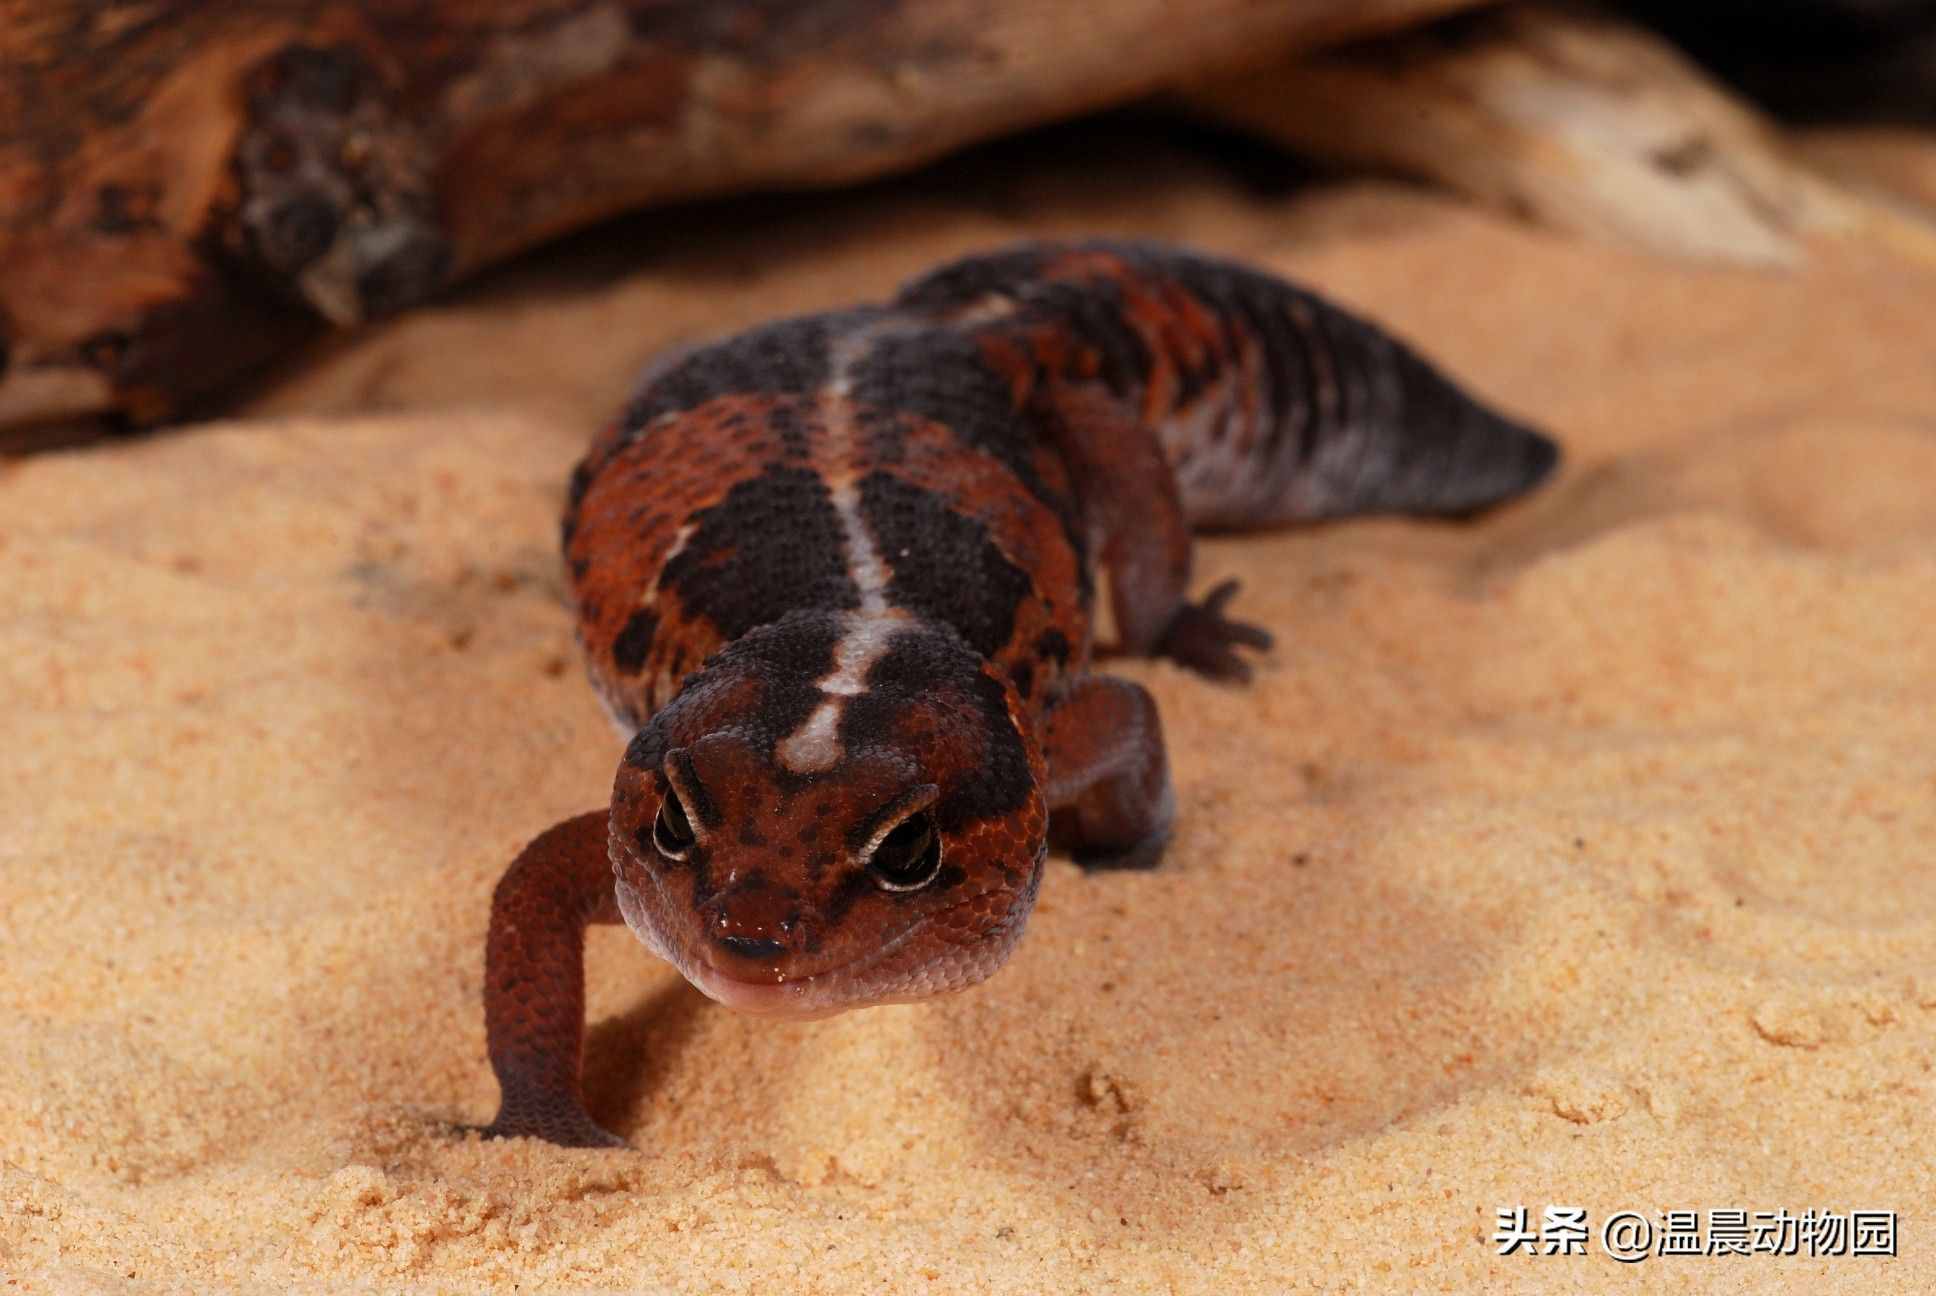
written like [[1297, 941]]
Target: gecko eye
[[908, 857], [672, 831]]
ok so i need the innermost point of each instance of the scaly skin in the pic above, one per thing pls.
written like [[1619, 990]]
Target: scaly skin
[[835, 577]]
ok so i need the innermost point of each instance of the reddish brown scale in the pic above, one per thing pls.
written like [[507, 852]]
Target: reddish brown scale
[[628, 519], [981, 490], [1185, 337], [834, 576], [1181, 333]]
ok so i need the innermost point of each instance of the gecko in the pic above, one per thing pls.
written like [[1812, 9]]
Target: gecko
[[837, 581]]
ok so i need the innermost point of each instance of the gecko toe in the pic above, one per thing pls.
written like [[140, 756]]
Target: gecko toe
[[1250, 636], [1219, 597]]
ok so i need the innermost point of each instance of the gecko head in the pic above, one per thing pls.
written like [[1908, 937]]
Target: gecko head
[[837, 810]]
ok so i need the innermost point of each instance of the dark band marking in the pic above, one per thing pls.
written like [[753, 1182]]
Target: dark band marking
[[967, 282], [991, 783], [1004, 781], [581, 481], [791, 357], [1192, 380], [634, 642], [1310, 363], [1276, 342], [1091, 309], [786, 659], [1054, 645], [1349, 350], [945, 565], [941, 376], [771, 546]]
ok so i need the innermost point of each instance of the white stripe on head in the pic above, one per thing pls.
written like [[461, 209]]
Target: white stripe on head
[[815, 746]]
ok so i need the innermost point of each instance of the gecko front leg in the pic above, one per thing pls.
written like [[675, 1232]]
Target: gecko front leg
[[534, 982], [1130, 497], [1109, 791]]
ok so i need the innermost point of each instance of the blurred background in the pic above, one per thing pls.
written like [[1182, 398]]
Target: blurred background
[[205, 209]]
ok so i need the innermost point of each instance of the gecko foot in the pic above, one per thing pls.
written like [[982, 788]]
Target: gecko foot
[[1145, 854], [552, 1123], [1201, 638], [586, 1134]]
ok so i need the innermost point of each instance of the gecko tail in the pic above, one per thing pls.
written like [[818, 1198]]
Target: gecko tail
[[1271, 404], [1344, 419], [1422, 446]]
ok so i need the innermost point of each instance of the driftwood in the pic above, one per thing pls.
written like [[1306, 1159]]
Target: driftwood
[[1573, 119], [188, 190]]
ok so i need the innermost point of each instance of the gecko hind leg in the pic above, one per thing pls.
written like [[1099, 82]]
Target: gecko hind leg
[[1109, 793], [534, 982]]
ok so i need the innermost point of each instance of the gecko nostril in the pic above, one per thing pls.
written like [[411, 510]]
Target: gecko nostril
[[752, 947]]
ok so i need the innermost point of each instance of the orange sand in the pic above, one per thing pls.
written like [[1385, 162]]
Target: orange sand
[[1582, 856]]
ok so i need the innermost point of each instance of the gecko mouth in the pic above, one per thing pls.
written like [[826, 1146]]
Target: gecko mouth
[[816, 994], [804, 998], [798, 1000]]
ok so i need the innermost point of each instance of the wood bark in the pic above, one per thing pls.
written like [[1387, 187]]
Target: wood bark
[[189, 190], [1572, 118]]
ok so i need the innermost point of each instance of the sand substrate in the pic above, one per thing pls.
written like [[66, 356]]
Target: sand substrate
[[1579, 856]]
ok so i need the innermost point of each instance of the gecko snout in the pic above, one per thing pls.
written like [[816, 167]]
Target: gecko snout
[[761, 927]]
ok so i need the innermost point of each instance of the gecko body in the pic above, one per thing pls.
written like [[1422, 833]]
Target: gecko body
[[836, 577]]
